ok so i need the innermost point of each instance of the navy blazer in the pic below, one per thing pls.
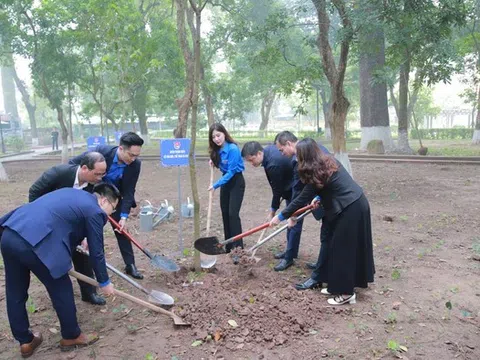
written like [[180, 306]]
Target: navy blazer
[[129, 180], [57, 177], [279, 171], [56, 223]]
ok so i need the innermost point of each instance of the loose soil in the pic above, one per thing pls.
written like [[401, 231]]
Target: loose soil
[[424, 304]]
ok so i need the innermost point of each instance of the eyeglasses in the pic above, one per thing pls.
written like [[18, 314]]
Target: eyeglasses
[[132, 155], [113, 207], [102, 174]]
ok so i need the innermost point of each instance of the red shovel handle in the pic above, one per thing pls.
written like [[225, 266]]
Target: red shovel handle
[[123, 232], [264, 226]]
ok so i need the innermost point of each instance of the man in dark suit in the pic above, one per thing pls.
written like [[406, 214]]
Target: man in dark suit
[[123, 170], [279, 171], [90, 171], [40, 237], [286, 143]]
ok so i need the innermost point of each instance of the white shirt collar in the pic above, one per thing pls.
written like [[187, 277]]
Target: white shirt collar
[[76, 184]]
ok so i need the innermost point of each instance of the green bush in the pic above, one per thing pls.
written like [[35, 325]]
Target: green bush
[[15, 143], [442, 134]]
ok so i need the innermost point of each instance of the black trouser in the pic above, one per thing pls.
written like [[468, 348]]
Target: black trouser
[[81, 263], [231, 197], [123, 243], [55, 143]]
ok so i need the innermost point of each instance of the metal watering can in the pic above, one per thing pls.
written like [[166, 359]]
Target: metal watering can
[[151, 216], [187, 209]]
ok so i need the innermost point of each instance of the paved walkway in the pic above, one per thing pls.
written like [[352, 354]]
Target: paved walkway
[[37, 151]]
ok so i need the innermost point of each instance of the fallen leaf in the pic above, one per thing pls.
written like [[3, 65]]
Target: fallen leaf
[[218, 336], [197, 343], [403, 348], [53, 330], [313, 332], [232, 323]]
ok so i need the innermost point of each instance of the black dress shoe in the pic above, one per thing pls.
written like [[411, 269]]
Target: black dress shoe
[[309, 284], [93, 298], [279, 255], [311, 266], [133, 272], [283, 265]]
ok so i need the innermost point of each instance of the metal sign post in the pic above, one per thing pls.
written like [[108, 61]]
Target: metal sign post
[[174, 152]]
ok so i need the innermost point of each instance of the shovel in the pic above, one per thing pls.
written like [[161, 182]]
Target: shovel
[[154, 296], [208, 261], [211, 245], [255, 247], [177, 320], [158, 261]]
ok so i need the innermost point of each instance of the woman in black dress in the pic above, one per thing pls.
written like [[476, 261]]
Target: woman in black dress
[[350, 253]]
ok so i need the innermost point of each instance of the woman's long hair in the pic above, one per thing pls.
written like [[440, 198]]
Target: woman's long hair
[[314, 166], [213, 149]]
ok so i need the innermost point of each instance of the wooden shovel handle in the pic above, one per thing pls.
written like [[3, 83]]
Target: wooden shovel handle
[[264, 226], [121, 294], [210, 202]]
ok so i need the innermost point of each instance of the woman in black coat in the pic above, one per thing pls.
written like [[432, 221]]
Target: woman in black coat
[[350, 253]]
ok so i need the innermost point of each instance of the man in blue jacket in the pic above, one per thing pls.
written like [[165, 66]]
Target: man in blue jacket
[[40, 237], [123, 170], [279, 171]]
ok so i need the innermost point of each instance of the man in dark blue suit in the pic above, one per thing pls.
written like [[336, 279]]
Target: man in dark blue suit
[[123, 170], [40, 237], [279, 171], [90, 171]]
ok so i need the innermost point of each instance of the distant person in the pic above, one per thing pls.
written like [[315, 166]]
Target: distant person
[[225, 155], [55, 139], [91, 170], [123, 170], [40, 238]]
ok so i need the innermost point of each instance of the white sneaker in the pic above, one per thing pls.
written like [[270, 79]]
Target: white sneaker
[[340, 300], [324, 291]]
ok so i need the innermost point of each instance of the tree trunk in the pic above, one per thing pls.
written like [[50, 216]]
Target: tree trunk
[[28, 105], [9, 98], [403, 145], [335, 73], [326, 108], [184, 103], [267, 103], [374, 116], [140, 107], [64, 132], [207, 96], [476, 132], [70, 125], [196, 36], [3, 173], [340, 105]]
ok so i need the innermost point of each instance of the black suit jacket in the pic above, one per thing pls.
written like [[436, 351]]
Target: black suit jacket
[[57, 177], [127, 183]]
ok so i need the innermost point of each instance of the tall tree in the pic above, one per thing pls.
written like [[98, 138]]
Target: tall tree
[[335, 73], [419, 39], [374, 118]]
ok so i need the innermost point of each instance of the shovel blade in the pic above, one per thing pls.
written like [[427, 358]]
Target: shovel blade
[[207, 261], [164, 263], [160, 298], [209, 245]]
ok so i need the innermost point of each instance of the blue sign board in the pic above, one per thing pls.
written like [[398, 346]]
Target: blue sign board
[[94, 141], [118, 135], [174, 152]]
